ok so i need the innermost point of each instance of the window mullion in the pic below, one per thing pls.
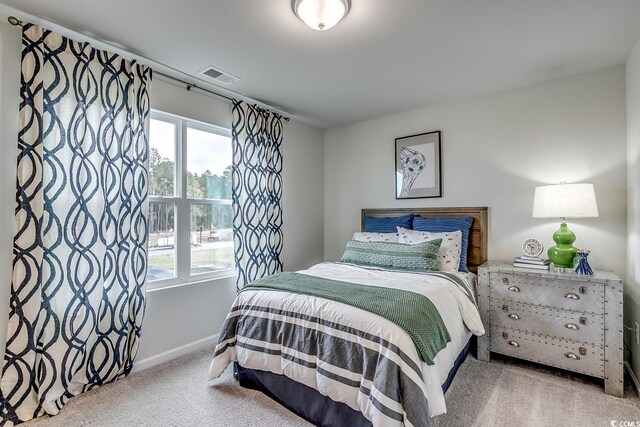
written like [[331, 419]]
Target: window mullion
[[184, 220], [209, 201], [161, 199]]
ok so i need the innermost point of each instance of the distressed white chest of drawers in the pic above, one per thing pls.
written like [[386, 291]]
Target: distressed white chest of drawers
[[566, 320]]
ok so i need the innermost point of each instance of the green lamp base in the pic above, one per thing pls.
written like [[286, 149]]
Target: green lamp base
[[563, 253]]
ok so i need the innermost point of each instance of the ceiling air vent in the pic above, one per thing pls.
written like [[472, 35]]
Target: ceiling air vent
[[218, 76]]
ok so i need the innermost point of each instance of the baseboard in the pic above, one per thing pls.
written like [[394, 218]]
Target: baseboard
[[174, 352], [634, 379]]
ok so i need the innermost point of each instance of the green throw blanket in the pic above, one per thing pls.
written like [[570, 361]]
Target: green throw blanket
[[413, 312]]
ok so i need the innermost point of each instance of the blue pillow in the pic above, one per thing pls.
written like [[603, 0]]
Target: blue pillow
[[387, 224], [435, 225]]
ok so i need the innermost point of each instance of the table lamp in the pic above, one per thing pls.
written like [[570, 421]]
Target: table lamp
[[564, 201]]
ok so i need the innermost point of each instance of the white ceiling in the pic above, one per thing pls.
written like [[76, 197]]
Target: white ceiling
[[387, 56]]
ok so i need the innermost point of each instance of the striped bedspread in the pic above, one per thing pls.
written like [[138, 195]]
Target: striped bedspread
[[350, 355]]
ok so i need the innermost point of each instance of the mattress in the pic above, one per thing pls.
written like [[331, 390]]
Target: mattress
[[347, 354]]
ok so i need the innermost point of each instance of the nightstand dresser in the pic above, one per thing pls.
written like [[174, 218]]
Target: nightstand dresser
[[564, 320]]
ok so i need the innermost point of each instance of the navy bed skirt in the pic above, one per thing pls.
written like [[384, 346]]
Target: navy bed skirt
[[308, 403]]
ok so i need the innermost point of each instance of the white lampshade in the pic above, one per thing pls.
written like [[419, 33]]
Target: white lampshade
[[321, 14], [565, 201]]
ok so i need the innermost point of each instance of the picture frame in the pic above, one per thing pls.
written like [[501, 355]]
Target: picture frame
[[418, 166]]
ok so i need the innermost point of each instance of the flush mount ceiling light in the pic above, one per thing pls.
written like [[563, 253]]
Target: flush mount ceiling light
[[321, 14]]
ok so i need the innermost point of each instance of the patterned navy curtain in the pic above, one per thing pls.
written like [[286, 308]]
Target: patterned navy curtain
[[256, 136], [79, 267]]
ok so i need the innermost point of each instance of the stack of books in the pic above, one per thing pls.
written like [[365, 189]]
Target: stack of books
[[534, 262]]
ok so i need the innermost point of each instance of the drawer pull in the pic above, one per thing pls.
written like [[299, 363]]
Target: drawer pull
[[514, 316], [572, 326], [514, 289], [571, 356], [571, 295], [515, 344]]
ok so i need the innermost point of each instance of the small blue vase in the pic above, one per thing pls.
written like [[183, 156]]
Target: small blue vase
[[583, 264]]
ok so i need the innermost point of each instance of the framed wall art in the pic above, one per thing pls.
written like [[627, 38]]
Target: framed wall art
[[418, 172]]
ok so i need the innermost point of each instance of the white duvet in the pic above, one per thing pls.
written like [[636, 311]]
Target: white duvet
[[459, 314]]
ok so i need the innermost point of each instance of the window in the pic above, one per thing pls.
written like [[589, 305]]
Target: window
[[190, 216]]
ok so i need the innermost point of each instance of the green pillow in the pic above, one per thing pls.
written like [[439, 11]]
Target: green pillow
[[399, 256]]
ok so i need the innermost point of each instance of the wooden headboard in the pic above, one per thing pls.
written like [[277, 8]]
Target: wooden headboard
[[477, 253]]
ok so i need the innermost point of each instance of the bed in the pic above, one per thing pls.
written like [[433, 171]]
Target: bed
[[335, 364]]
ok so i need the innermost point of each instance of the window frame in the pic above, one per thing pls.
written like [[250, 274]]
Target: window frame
[[182, 203]]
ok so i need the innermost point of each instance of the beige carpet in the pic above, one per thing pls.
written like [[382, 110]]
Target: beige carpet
[[502, 393], [508, 392]]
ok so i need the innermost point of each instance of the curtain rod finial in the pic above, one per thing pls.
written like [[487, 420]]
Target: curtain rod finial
[[15, 21]]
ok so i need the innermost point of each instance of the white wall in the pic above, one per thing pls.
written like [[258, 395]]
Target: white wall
[[632, 288], [9, 104], [179, 316], [495, 150], [303, 196]]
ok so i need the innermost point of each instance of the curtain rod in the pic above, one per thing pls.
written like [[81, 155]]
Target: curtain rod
[[18, 23]]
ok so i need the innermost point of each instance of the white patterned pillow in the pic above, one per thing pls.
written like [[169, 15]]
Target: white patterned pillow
[[375, 237], [449, 254]]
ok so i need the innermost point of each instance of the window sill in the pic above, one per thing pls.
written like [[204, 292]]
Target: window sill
[[177, 283]]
